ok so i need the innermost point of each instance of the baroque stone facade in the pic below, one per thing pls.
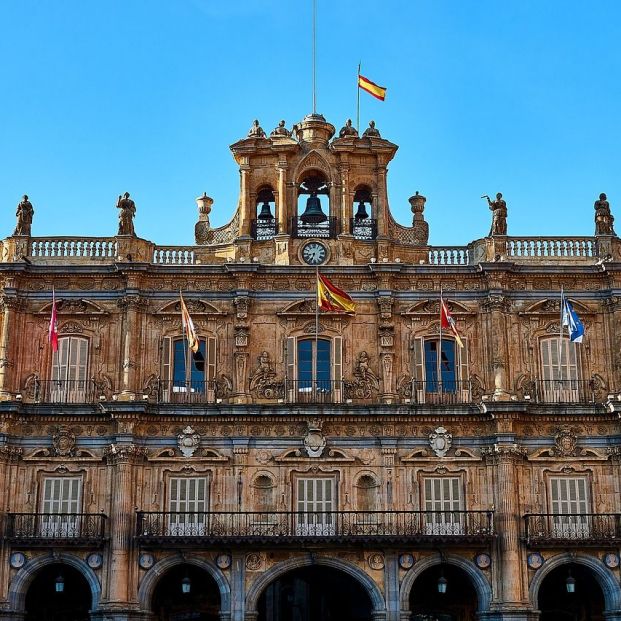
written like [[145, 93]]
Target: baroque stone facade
[[355, 450]]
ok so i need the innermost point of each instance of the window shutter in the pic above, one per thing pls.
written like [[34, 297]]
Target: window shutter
[[211, 358], [165, 371], [291, 364], [418, 371], [338, 368], [61, 495], [464, 376]]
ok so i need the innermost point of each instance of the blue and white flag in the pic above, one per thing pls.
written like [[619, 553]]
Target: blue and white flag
[[573, 323]]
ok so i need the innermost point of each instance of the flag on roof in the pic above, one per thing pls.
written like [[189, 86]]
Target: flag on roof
[[331, 298], [379, 92]]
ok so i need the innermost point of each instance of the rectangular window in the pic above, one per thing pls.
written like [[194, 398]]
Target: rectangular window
[[570, 506], [188, 504], [443, 506], [60, 504], [560, 376], [316, 502], [69, 370]]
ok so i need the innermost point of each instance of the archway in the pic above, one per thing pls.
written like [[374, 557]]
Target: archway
[[58, 592], [443, 593], [186, 591], [315, 592]]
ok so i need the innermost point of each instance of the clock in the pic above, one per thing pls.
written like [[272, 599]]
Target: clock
[[17, 560], [314, 253]]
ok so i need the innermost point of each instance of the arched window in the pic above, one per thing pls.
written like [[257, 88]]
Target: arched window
[[314, 370], [363, 224], [313, 218], [264, 494], [440, 373], [69, 370], [366, 493], [265, 225], [560, 373]]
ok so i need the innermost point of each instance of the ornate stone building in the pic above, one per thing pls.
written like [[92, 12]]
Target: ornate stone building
[[343, 475]]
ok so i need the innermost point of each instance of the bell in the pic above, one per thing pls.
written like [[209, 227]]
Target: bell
[[266, 212], [313, 213], [361, 214]]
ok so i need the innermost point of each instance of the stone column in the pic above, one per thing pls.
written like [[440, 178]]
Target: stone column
[[382, 202], [238, 589], [346, 204], [246, 212], [131, 306], [391, 586], [497, 306], [10, 306], [283, 206]]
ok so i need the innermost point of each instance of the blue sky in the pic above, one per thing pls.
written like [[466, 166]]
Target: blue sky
[[99, 98]]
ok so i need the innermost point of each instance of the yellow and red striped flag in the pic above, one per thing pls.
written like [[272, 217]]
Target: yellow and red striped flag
[[447, 321], [190, 335], [331, 298], [365, 84]]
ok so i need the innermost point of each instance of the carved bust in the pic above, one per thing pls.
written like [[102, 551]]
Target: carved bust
[[281, 130], [371, 132], [256, 131], [348, 130]]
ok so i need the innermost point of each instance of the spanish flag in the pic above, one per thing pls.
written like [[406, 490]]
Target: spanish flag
[[190, 335], [365, 84], [331, 298]]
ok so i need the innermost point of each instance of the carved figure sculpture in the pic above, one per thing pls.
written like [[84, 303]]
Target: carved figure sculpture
[[348, 130], [371, 132], [281, 130], [366, 381], [603, 218], [256, 131], [24, 215], [499, 214], [126, 215], [263, 380]]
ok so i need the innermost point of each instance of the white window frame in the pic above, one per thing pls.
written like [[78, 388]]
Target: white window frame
[[316, 504], [570, 495], [61, 501], [568, 371], [70, 370], [443, 499], [188, 504]]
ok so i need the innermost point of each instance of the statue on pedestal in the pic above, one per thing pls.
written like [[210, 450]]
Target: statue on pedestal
[[281, 130], [126, 215], [499, 215], [603, 218], [256, 131], [24, 214], [348, 130], [371, 131]]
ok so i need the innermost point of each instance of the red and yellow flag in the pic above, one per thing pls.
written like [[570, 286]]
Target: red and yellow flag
[[447, 321], [331, 298], [188, 326], [365, 84]]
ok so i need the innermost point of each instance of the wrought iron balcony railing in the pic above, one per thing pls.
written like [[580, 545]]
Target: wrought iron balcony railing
[[436, 393], [314, 391], [365, 228], [327, 229], [262, 230], [187, 392], [565, 391], [422, 527], [566, 529], [63, 391], [45, 529]]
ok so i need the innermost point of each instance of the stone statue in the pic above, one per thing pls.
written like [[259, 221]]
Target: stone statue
[[281, 130], [126, 215], [256, 131], [263, 380], [371, 132], [24, 215], [499, 215], [603, 218], [348, 130]]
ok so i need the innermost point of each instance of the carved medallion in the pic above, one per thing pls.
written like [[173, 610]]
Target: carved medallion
[[565, 442], [63, 442], [376, 561], [440, 441], [314, 441], [188, 441]]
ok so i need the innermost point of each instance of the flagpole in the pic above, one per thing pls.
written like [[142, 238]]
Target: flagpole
[[186, 350], [358, 104], [560, 339], [439, 361], [315, 357], [314, 56]]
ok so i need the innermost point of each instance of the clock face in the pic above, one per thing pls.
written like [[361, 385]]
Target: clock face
[[314, 253]]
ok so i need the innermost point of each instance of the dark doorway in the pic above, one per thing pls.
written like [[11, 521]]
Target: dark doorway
[[45, 601], [458, 603], [557, 604], [186, 593], [315, 593]]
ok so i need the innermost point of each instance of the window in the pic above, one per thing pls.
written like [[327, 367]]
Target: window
[[310, 382], [188, 503], [443, 505], [60, 505], [570, 507], [195, 385], [454, 381], [560, 377], [316, 501], [69, 370]]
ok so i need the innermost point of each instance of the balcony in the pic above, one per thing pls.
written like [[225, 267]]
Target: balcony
[[326, 230], [565, 391], [187, 392], [436, 393], [302, 527], [62, 391], [564, 530], [54, 529]]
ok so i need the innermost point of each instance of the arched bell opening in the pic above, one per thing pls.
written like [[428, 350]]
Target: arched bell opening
[[265, 224], [186, 592], [58, 592], [443, 592], [570, 592], [315, 592], [363, 224], [313, 208]]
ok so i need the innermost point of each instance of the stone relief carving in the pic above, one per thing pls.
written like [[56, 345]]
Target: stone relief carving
[[565, 442], [365, 381], [263, 381], [440, 441], [63, 442], [224, 386], [314, 441], [188, 441]]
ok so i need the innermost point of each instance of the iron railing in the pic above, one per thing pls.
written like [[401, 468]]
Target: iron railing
[[262, 230], [437, 393], [314, 391], [564, 529], [365, 229], [63, 391], [327, 229], [299, 526], [48, 528], [192, 391], [565, 391]]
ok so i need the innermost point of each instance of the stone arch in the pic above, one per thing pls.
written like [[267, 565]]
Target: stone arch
[[605, 578], [480, 583], [260, 584], [20, 584], [313, 161], [152, 577]]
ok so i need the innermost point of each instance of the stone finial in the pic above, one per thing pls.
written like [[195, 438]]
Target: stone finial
[[127, 212], [24, 214], [281, 130], [603, 217], [201, 228], [348, 130], [498, 208], [420, 226], [371, 132], [256, 131]]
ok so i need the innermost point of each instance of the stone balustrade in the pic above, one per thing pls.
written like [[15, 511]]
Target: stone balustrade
[[551, 247], [449, 255], [50, 247], [174, 255]]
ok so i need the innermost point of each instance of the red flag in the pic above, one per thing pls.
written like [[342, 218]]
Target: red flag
[[448, 322], [331, 298], [52, 336]]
